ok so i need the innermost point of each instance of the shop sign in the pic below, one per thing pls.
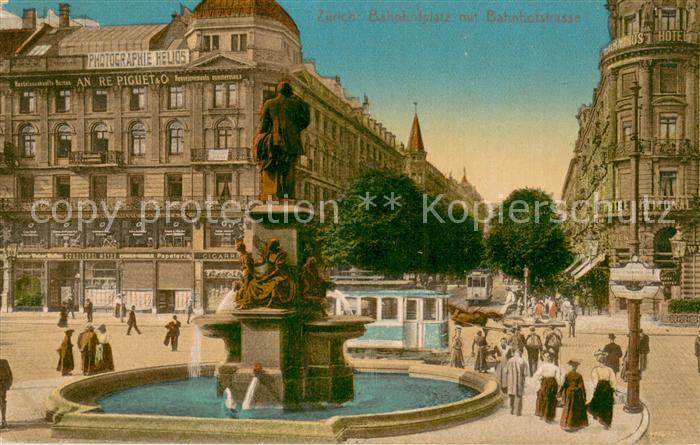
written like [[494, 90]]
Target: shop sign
[[670, 277], [223, 274], [137, 59], [173, 256], [120, 80], [216, 256]]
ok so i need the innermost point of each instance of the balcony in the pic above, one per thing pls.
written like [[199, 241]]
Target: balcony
[[673, 147], [80, 159], [127, 204], [220, 155]]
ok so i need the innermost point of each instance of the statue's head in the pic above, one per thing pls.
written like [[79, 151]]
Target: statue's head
[[285, 88], [274, 245]]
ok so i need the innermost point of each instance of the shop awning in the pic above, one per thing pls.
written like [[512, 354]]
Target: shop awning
[[585, 265]]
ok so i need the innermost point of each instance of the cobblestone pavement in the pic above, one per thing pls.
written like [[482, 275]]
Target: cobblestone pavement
[[670, 386]]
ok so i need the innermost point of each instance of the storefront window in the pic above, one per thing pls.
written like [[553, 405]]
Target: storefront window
[[176, 233], [29, 234], [224, 233], [99, 233], [136, 233], [27, 289], [101, 283], [219, 282], [66, 235]]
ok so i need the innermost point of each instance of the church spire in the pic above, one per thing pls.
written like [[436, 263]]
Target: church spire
[[464, 176], [415, 142]]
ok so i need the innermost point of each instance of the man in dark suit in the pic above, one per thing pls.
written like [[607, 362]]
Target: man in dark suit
[[614, 354], [88, 310], [131, 321], [278, 143], [643, 350], [5, 385]]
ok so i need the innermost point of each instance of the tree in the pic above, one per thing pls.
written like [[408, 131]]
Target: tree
[[525, 232], [393, 239]]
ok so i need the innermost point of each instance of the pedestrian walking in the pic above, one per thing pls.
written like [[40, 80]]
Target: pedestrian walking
[[104, 360], [533, 344], [5, 385], [697, 350], [516, 371], [131, 321], [63, 316], [456, 356], [70, 304], [589, 304], [553, 310], [539, 309], [190, 308], [88, 310], [118, 306], [504, 353], [549, 376], [481, 346], [643, 350], [571, 318], [173, 333], [613, 353], [66, 363], [601, 405], [516, 341], [573, 395], [552, 343], [87, 344]]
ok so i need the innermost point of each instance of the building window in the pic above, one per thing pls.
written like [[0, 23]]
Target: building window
[[667, 127], [269, 91], [668, 19], [669, 78], [27, 102], [138, 139], [28, 140], [223, 187], [667, 184], [64, 141], [63, 101], [137, 100], [176, 138], [136, 186], [411, 309], [98, 188], [225, 95], [210, 43], [626, 131], [429, 309], [390, 309], [177, 97], [224, 135], [99, 100], [100, 139], [173, 184], [26, 188], [62, 187], [239, 42], [631, 24]]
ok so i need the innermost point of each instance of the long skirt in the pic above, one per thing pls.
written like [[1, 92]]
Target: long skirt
[[117, 310], [574, 415], [480, 359], [63, 321], [502, 374], [104, 361], [65, 361], [601, 406], [457, 358], [546, 406]]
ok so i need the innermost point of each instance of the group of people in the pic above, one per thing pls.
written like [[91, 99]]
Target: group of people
[[94, 348], [567, 391]]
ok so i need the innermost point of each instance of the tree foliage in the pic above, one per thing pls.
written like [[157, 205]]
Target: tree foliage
[[525, 232], [371, 235]]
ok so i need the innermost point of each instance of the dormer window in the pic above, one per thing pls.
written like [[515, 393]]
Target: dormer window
[[239, 42], [210, 43], [631, 24]]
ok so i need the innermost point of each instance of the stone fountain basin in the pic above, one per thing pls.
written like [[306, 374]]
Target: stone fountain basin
[[76, 415]]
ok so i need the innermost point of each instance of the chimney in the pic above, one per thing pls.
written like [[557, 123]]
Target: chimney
[[29, 18], [63, 15]]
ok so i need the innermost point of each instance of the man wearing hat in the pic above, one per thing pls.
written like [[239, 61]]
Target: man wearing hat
[[87, 344], [614, 354], [533, 344]]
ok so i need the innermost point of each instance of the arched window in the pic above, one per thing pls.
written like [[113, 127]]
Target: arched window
[[100, 139], [28, 141], [224, 135], [138, 139], [663, 255], [176, 138], [64, 141]]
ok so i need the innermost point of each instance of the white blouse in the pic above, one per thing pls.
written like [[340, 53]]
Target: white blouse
[[603, 373], [546, 370]]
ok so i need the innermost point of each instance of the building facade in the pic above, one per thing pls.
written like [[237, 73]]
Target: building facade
[[651, 61], [154, 125]]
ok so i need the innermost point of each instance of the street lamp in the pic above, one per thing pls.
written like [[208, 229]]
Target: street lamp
[[678, 245]]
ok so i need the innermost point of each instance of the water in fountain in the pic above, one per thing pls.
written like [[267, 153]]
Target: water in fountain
[[194, 369], [227, 302], [344, 303], [250, 394]]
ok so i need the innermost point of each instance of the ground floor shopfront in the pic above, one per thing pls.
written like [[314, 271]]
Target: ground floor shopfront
[[159, 282]]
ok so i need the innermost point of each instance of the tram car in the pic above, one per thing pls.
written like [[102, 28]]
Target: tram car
[[409, 323], [479, 287]]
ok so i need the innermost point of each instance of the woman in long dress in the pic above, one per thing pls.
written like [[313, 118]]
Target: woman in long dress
[[601, 405], [66, 364], [549, 376], [573, 394], [457, 358], [104, 361], [63, 317], [481, 345], [503, 352]]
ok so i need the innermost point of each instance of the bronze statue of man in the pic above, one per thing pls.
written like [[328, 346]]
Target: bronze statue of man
[[278, 143]]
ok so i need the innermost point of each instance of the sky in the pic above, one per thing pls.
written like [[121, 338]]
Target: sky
[[496, 97]]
